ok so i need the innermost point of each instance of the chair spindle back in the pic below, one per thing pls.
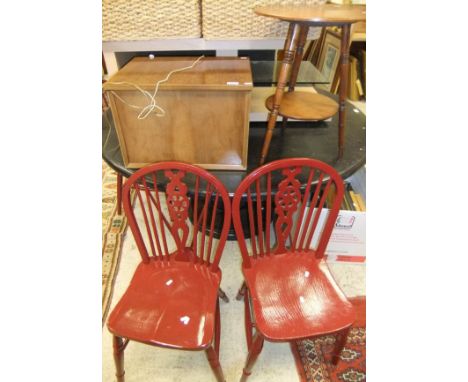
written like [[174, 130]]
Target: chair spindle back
[[286, 201], [181, 212]]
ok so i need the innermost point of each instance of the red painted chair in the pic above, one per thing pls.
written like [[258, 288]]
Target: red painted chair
[[289, 292], [172, 299]]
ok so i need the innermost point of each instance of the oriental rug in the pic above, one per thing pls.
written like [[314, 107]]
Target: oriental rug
[[113, 231], [313, 357]]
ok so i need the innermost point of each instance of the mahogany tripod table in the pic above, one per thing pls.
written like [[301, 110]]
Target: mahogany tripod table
[[302, 105]]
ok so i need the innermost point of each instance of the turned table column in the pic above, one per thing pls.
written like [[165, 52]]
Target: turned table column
[[297, 62], [289, 52]]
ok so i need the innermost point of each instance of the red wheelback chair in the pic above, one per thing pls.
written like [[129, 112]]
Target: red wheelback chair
[[172, 300], [289, 292]]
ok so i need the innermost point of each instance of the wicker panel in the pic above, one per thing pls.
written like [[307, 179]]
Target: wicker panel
[[236, 19], [126, 20]]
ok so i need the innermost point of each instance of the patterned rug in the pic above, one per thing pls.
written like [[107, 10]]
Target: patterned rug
[[113, 231], [313, 357]]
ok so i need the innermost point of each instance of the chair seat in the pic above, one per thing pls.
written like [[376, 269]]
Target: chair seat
[[170, 304], [294, 296]]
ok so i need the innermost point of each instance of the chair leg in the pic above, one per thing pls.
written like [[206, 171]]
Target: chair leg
[[340, 343], [213, 359], [217, 328], [247, 319], [119, 347], [223, 296], [240, 294], [254, 351]]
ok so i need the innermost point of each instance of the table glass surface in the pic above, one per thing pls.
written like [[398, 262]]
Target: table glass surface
[[265, 73]]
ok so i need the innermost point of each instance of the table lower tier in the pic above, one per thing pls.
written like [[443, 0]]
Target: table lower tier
[[305, 106]]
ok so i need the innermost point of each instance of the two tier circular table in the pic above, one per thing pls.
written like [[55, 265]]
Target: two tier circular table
[[306, 105]]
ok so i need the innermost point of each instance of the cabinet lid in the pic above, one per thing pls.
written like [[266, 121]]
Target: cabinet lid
[[210, 73]]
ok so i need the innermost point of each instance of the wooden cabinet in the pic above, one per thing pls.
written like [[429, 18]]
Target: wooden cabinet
[[205, 111]]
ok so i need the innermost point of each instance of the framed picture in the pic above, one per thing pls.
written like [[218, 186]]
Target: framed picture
[[329, 56], [313, 50]]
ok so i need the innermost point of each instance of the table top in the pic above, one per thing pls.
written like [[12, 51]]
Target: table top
[[299, 139], [326, 14]]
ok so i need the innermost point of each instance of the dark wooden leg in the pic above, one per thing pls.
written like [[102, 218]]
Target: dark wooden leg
[[222, 295], [119, 194], [240, 294], [289, 50], [119, 347], [344, 69], [297, 63], [339, 345], [254, 351], [213, 359]]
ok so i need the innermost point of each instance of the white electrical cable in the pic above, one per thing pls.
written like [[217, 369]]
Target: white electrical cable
[[150, 108]]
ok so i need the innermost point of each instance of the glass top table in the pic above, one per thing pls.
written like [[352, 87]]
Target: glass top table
[[265, 73]]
